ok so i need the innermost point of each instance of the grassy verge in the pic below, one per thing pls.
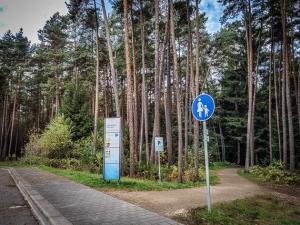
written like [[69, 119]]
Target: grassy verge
[[272, 175], [15, 165], [263, 209], [128, 184]]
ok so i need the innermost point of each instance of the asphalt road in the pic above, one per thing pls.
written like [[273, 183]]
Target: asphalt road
[[13, 207]]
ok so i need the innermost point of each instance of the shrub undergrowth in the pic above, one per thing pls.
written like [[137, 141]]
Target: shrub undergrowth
[[274, 173], [55, 148]]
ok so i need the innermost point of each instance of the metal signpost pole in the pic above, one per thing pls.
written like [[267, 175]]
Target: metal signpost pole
[[202, 108], [159, 167], [206, 166]]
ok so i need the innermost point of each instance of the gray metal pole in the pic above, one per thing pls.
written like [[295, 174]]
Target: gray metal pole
[[206, 166], [159, 167]]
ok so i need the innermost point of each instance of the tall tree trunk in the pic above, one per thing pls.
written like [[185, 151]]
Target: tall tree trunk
[[52, 109], [188, 78], [6, 129], [293, 71], [105, 94], [144, 89], [18, 132], [178, 97], [145, 107], [283, 115], [217, 142], [135, 96], [168, 104], [12, 125], [39, 110], [238, 161], [248, 28], [17, 141], [252, 162], [277, 108], [222, 143], [161, 73], [156, 127], [96, 114], [197, 86], [290, 116], [186, 112], [287, 83], [129, 90], [92, 97], [162, 67], [56, 93], [4, 120], [270, 100], [5, 149], [298, 99], [141, 132]]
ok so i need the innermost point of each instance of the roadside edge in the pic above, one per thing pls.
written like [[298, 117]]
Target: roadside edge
[[46, 213]]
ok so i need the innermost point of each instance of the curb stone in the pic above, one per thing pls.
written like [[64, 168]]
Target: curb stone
[[46, 213]]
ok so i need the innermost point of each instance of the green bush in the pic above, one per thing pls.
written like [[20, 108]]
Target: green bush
[[71, 163], [146, 171], [150, 172], [275, 174], [189, 175], [56, 140], [90, 160], [33, 147], [55, 148], [87, 143], [33, 160]]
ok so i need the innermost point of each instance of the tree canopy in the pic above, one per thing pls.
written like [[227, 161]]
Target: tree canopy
[[146, 63]]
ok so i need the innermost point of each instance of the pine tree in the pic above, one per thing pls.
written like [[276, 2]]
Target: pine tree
[[75, 107], [53, 39], [13, 61]]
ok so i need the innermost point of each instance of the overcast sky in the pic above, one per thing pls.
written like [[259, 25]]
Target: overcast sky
[[31, 15]]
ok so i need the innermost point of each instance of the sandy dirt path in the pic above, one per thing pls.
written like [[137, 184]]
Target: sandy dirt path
[[177, 203]]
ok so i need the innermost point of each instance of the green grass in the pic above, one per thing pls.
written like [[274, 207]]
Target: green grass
[[260, 210], [126, 183], [15, 165]]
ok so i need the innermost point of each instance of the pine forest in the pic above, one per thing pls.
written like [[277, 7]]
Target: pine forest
[[145, 61]]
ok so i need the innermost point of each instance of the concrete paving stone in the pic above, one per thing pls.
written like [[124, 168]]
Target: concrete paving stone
[[82, 205]]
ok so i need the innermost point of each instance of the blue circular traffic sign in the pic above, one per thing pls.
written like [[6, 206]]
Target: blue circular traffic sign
[[203, 107]]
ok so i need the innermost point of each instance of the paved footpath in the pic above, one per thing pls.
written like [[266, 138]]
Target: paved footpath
[[56, 200], [13, 207]]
